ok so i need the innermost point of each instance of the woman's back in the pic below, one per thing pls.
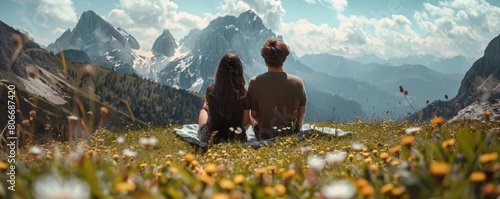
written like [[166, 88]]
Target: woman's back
[[223, 125], [228, 107]]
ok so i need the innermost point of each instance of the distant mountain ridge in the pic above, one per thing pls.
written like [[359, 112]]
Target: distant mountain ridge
[[419, 80], [453, 65]]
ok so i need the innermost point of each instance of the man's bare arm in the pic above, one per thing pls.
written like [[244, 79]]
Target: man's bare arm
[[246, 119], [301, 113], [253, 118]]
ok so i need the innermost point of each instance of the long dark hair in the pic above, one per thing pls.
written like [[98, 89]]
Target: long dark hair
[[229, 86]]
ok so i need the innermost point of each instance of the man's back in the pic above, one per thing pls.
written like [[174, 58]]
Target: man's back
[[276, 96]]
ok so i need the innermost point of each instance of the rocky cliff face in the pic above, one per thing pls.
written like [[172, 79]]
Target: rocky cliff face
[[190, 39], [480, 81], [479, 111], [101, 41], [165, 44]]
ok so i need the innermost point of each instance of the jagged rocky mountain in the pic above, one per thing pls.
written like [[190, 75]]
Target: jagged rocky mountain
[[165, 44], [114, 48], [190, 39], [480, 83], [417, 79], [101, 41]]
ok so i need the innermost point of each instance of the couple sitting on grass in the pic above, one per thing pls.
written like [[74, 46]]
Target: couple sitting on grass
[[274, 104]]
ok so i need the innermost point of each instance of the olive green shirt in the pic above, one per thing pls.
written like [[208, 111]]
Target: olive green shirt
[[276, 97]]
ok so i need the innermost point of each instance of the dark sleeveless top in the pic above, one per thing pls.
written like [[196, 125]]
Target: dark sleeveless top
[[223, 125]]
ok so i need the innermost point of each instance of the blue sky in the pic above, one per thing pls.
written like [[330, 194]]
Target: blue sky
[[350, 28]]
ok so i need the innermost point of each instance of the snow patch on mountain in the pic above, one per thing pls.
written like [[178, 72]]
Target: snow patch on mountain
[[232, 26], [196, 87], [179, 53], [184, 64], [147, 64]]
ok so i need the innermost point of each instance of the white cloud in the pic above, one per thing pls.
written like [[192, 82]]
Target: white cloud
[[147, 19], [446, 28], [58, 31], [438, 11], [271, 12], [465, 29], [120, 17], [33, 35], [337, 5], [62, 10], [310, 1], [355, 35]]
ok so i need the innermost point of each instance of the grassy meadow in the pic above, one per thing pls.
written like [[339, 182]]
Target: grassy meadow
[[379, 160]]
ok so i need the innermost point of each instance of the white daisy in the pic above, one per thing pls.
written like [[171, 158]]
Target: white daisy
[[143, 141], [129, 153], [55, 187], [72, 117], [120, 140], [315, 163], [357, 146], [35, 150], [153, 141], [341, 189], [412, 130], [305, 148], [335, 157], [147, 142]]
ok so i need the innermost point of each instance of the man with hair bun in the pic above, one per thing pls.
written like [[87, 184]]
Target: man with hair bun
[[278, 99]]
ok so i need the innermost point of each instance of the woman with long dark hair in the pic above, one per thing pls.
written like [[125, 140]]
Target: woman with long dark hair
[[226, 109]]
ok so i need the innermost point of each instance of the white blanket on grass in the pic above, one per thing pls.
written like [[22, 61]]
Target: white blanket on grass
[[189, 133]]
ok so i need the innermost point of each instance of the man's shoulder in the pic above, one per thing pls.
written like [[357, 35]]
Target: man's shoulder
[[294, 78], [259, 77]]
